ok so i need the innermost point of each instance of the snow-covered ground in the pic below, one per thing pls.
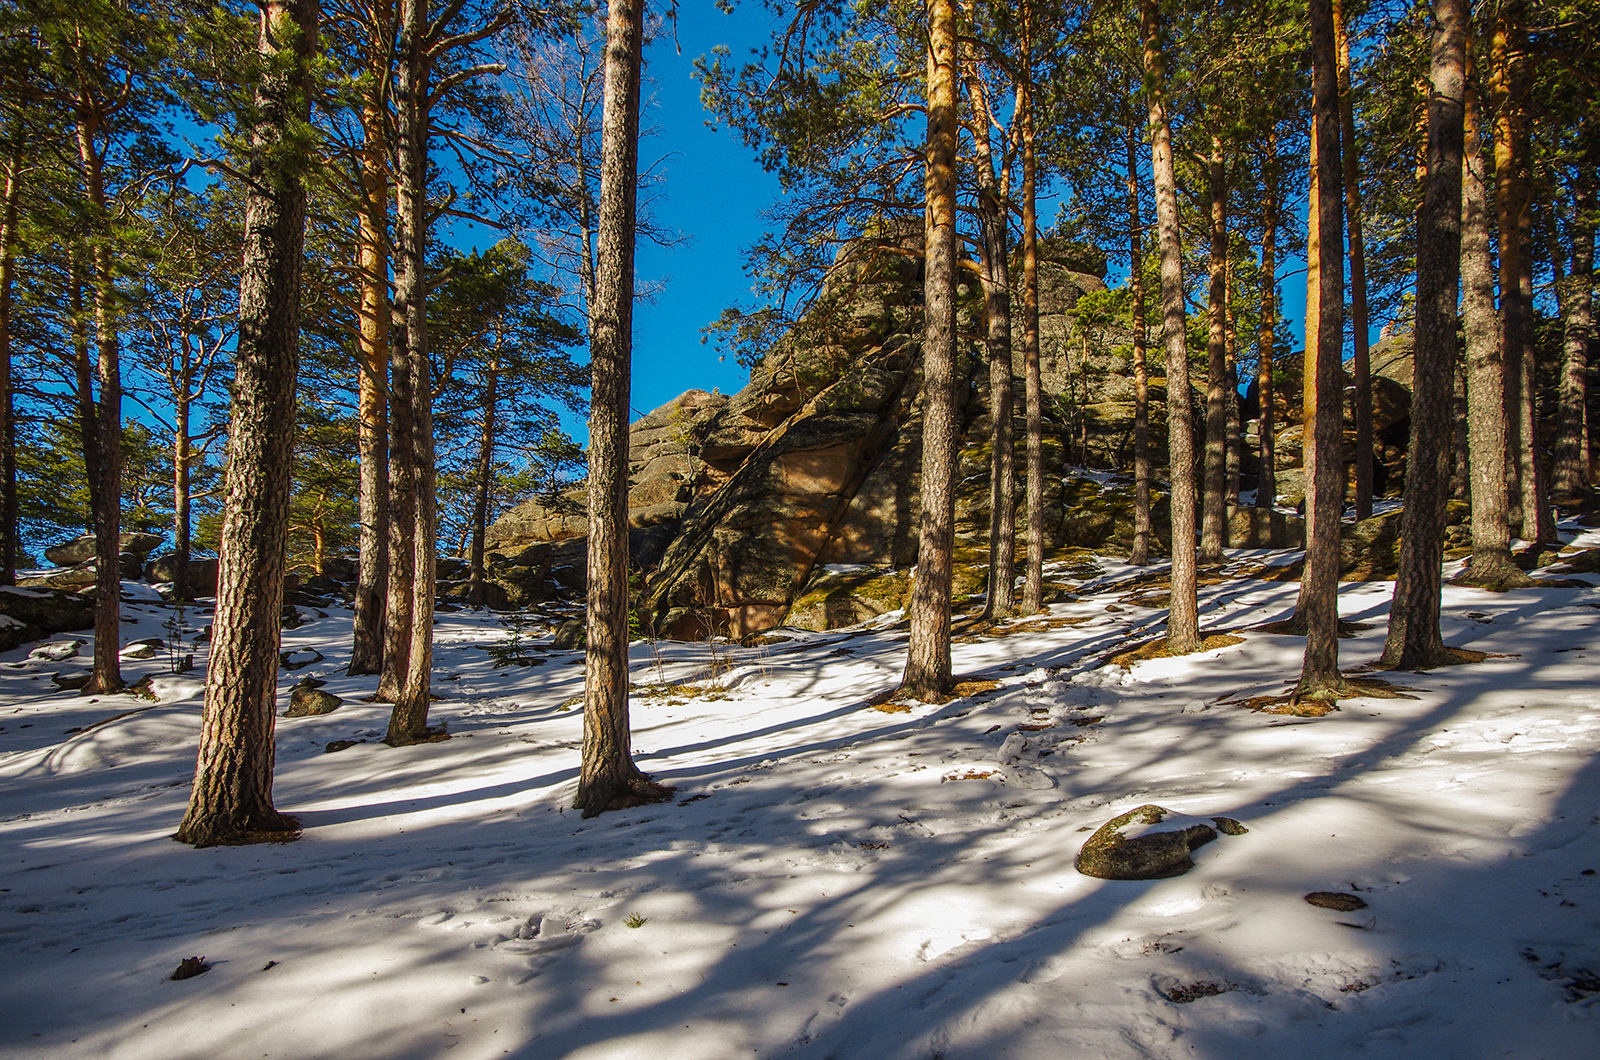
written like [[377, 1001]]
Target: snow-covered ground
[[835, 881]]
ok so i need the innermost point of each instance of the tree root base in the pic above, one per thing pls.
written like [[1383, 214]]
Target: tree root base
[[279, 828], [621, 794]]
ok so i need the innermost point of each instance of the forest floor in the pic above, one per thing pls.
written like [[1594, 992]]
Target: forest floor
[[835, 881]]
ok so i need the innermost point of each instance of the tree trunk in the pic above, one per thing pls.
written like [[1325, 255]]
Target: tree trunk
[[1183, 622], [1267, 480], [1508, 46], [1141, 373], [1032, 383], [1491, 565], [1414, 640], [9, 545], [181, 458], [105, 484], [995, 253], [372, 264], [1570, 474], [408, 721], [1213, 517], [1360, 367], [927, 672], [231, 800], [480, 487], [609, 779], [1319, 597], [1230, 371]]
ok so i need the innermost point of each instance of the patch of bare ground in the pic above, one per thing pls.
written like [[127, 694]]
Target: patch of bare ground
[[1352, 688], [1157, 649], [894, 701], [1011, 629]]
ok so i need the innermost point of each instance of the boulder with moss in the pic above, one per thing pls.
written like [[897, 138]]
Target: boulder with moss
[[1151, 855]]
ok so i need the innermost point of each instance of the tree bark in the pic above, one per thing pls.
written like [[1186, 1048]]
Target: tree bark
[[1570, 473], [105, 481], [1267, 480], [1360, 366], [9, 545], [231, 800], [480, 487], [408, 721], [995, 252], [1508, 92], [372, 264], [608, 779], [1183, 622], [1032, 383], [1319, 597], [1491, 565], [927, 673], [1213, 517], [1141, 373], [1414, 641]]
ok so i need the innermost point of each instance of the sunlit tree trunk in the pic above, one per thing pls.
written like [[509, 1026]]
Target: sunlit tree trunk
[[1032, 384], [995, 253], [1267, 483], [927, 672], [483, 476], [1570, 472], [1183, 622], [231, 800], [1319, 598], [1414, 640], [9, 545], [608, 778], [1360, 366], [1213, 519], [372, 266], [1141, 373]]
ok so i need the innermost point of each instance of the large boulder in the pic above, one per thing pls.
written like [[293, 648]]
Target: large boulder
[[28, 614], [202, 575], [81, 549], [1109, 854]]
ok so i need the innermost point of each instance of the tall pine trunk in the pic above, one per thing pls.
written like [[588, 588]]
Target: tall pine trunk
[[1183, 621], [1570, 472], [995, 252], [408, 721], [1360, 365], [1267, 478], [372, 362], [9, 545], [1141, 372], [1414, 640], [608, 778], [1319, 596], [1213, 516], [927, 672], [482, 476], [1491, 565], [231, 800], [1032, 383]]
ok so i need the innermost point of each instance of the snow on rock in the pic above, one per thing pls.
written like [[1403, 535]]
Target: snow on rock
[[832, 881]]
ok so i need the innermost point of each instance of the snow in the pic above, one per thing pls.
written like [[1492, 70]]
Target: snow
[[834, 881]]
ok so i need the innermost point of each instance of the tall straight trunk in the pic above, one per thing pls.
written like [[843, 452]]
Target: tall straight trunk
[[402, 521], [9, 549], [231, 800], [1267, 482], [1183, 621], [372, 360], [181, 520], [105, 485], [480, 487], [608, 778], [927, 673], [1032, 382], [1491, 565], [1319, 598], [995, 252], [1570, 472], [1507, 87], [1360, 365], [1141, 373], [1235, 439], [1460, 460], [1213, 517], [408, 721], [1414, 640]]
